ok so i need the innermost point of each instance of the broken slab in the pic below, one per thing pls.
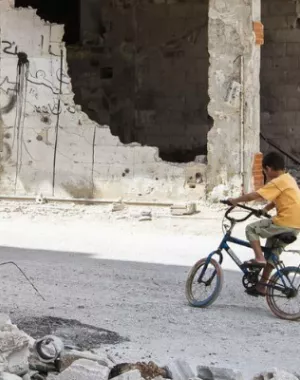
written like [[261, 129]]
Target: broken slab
[[69, 357], [180, 370], [84, 369], [184, 209], [14, 348], [218, 373], [9, 376]]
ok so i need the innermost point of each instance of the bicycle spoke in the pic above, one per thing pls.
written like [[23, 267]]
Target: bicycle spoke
[[285, 305]]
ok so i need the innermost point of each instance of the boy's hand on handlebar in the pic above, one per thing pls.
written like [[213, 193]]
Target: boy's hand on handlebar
[[262, 212], [233, 202]]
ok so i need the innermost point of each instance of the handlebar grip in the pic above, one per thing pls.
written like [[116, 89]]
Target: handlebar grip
[[225, 202]]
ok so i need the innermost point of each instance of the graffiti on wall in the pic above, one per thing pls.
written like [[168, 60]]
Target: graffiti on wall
[[28, 89]]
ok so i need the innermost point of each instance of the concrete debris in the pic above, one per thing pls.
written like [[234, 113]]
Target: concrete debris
[[117, 206], [184, 209], [216, 373], [276, 374], [9, 376], [48, 348], [147, 370], [69, 357], [130, 375], [36, 365], [180, 370], [14, 348], [33, 375], [51, 360], [84, 369], [145, 216]]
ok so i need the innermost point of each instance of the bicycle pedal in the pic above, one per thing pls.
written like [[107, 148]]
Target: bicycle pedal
[[252, 267]]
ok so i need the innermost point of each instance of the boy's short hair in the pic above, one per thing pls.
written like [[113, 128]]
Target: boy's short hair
[[274, 161]]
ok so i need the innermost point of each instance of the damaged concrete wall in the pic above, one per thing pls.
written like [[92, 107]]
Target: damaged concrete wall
[[48, 144], [144, 71], [234, 93], [280, 75]]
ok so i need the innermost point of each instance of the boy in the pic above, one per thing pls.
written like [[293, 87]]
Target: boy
[[283, 193]]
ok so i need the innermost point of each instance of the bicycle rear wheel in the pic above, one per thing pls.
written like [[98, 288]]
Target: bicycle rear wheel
[[204, 278], [285, 303]]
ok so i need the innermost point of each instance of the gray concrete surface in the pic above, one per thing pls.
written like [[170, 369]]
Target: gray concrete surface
[[146, 303]]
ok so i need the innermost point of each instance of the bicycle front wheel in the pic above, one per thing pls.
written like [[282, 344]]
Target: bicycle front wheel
[[204, 283], [284, 301]]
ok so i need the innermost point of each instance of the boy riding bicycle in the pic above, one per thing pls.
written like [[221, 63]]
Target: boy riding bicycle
[[283, 194]]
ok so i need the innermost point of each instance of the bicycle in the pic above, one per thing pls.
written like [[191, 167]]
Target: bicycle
[[280, 286]]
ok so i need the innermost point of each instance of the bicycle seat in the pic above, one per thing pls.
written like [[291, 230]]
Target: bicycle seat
[[286, 237]]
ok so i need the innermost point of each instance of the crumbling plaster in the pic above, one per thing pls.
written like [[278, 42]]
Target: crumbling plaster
[[234, 93], [50, 146]]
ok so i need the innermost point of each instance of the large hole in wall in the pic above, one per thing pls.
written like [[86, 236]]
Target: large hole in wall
[[280, 77], [141, 68], [65, 12]]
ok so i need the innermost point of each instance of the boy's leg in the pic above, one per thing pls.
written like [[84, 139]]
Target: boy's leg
[[264, 278], [253, 233]]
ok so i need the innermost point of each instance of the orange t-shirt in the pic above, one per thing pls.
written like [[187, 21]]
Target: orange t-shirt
[[285, 193]]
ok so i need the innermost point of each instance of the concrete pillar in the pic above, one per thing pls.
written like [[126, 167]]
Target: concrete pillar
[[234, 95]]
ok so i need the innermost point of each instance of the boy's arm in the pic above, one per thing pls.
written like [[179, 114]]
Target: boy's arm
[[269, 207], [245, 198]]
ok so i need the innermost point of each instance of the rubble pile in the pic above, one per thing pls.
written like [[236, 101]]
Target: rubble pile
[[24, 358]]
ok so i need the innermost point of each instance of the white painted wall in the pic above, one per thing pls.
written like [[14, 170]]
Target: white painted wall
[[49, 145]]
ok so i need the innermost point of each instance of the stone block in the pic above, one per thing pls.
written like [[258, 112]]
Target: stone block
[[84, 369], [180, 370], [69, 357], [14, 348], [216, 373], [183, 209]]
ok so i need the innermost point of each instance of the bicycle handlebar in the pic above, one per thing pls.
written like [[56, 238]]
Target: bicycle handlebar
[[253, 211]]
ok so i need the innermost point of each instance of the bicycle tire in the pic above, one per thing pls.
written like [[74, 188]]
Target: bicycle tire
[[192, 274], [271, 299]]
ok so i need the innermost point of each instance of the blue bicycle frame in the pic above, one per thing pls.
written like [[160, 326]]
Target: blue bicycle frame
[[230, 239]]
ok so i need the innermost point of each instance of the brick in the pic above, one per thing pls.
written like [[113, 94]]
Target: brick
[[274, 50], [292, 76], [270, 75], [265, 8], [291, 35], [180, 10], [286, 8], [293, 104], [283, 118], [275, 22], [293, 49], [285, 63]]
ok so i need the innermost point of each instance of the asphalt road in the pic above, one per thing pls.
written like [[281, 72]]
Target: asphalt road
[[146, 304]]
